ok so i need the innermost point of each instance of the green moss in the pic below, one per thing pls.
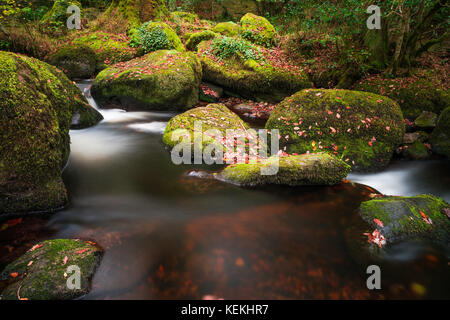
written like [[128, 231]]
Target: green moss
[[109, 48], [307, 169], [361, 128], [212, 116], [77, 62], [160, 80], [249, 70], [416, 150], [403, 218], [229, 28], [46, 277], [182, 16], [440, 137], [198, 37], [57, 16], [413, 94], [257, 30], [154, 36], [36, 106]]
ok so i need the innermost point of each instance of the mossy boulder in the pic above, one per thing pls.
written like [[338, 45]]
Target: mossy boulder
[[154, 36], [423, 217], [250, 71], [426, 120], [197, 37], [257, 30], [57, 16], [416, 150], [229, 28], [362, 128], [294, 170], [37, 102], [183, 16], [413, 94], [440, 137], [160, 80], [212, 117], [185, 24], [77, 62], [43, 272], [109, 48]]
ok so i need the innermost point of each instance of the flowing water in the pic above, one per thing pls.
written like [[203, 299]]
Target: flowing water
[[167, 234]]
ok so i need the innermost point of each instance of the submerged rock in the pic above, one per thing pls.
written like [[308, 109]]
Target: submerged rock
[[257, 30], [43, 272], [306, 169], [37, 102], [251, 71], [160, 80], [406, 218], [440, 137], [77, 62], [364, 129]]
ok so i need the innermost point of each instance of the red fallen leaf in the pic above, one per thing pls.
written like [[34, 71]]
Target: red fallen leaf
[[30, 263], [36, 246], [91, 243], [14, 275], [370, 143], [65, 260], [388, 128], [425, 218], [81, 251], [447, 212], [13, 222], [378, 222], [376, 237]]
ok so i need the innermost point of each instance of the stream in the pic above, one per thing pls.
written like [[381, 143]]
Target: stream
[[168, 235]]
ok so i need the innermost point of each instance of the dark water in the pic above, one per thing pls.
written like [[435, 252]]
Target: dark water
[[167, 235]]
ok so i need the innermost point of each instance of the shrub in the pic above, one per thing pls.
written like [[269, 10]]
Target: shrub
[[226, 47]]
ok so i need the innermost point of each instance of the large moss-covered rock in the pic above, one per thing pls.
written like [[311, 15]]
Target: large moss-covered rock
[[154, 36], [413, 94], [407, 218], [306, 169], [77, 62], [251, 71], [57, 16], [42, 273], [197, 37], [37, 102], [109, 48], [186, 23], [257, 30], [229, 28], [440, 137], [212, 116], [364, 129], [161, 80]]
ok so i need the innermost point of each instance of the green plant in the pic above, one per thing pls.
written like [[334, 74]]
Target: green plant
[[226, 47]]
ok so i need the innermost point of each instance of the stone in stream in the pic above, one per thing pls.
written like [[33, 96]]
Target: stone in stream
[[362, 128], [160, 80], [440, 137], [250, 71], [293, 170], [37, 103], [390, 220], [44, 271]]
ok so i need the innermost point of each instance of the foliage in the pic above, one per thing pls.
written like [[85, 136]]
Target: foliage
[[227, 47], [153, 36]]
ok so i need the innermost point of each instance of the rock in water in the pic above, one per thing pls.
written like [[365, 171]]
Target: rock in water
[[364, 129], [160, 80], [37, 102], [440, 137], [400, 218], [212, 117], [306, 169], [42, 272]]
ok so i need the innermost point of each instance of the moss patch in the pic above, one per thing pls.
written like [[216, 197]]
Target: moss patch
[[42, 271], [161, 80], [229, 28], [197, 37], [257, 30], [361, 128], [77, 62]]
